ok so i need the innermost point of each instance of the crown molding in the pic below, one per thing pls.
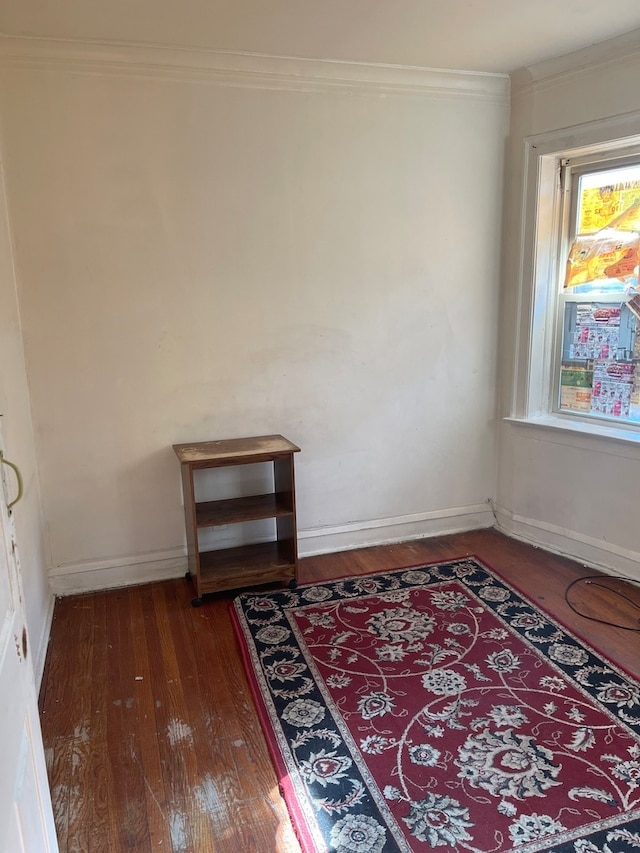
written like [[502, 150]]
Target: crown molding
[[246, 70], [618, 50]]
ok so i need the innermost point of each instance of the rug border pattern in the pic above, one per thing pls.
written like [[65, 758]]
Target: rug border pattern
[[295, 791]]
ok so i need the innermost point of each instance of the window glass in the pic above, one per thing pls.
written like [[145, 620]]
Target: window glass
[[600, 303]]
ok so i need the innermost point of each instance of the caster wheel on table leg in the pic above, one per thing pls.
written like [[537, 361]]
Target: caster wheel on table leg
[[293, 583], [196, 602]]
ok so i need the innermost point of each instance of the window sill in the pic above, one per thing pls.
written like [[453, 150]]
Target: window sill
[[570, 426]]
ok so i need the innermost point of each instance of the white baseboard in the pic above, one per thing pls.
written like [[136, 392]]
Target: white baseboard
[[120, 571], [162, 565], [594, 553], [385, 531], [39, 653]]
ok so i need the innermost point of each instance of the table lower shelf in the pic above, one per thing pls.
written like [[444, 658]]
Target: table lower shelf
[[247, 565]]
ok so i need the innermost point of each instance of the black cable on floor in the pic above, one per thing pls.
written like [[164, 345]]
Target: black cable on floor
[[589, 579]]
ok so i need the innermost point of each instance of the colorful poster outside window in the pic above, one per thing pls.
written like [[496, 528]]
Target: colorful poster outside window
[[597, 332], [575, 389], [634, 403], [600, 205], [606, 243], [613, 383]]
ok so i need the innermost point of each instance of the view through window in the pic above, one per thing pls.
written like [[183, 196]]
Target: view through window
[[599, 317]]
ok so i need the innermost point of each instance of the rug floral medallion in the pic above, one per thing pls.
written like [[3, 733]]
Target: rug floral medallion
[[436, 707]]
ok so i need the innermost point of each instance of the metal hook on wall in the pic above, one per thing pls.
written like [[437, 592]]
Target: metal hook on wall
[[16, 471]]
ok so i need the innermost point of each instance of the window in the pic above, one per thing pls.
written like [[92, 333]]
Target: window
[[599, 305], [578, 333]]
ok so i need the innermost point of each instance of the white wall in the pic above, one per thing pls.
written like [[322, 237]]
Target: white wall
[[572, 493], [19, 446], [207, 252]]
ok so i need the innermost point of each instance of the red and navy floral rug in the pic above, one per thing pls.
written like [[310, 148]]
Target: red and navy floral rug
[[436, 707]]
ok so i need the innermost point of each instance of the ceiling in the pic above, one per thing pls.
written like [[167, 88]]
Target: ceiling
[[474, 35]]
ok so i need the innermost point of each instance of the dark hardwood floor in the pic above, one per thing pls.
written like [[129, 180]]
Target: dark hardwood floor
[[151, 736]]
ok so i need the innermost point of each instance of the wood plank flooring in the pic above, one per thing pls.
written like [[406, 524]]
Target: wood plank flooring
[[150, 732]]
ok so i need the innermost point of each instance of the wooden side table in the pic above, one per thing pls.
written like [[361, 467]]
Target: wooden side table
[[244, 565]]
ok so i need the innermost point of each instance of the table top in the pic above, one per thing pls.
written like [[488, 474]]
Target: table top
[[227, 450]]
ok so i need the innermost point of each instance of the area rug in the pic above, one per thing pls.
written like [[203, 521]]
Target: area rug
[[436, 707]]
